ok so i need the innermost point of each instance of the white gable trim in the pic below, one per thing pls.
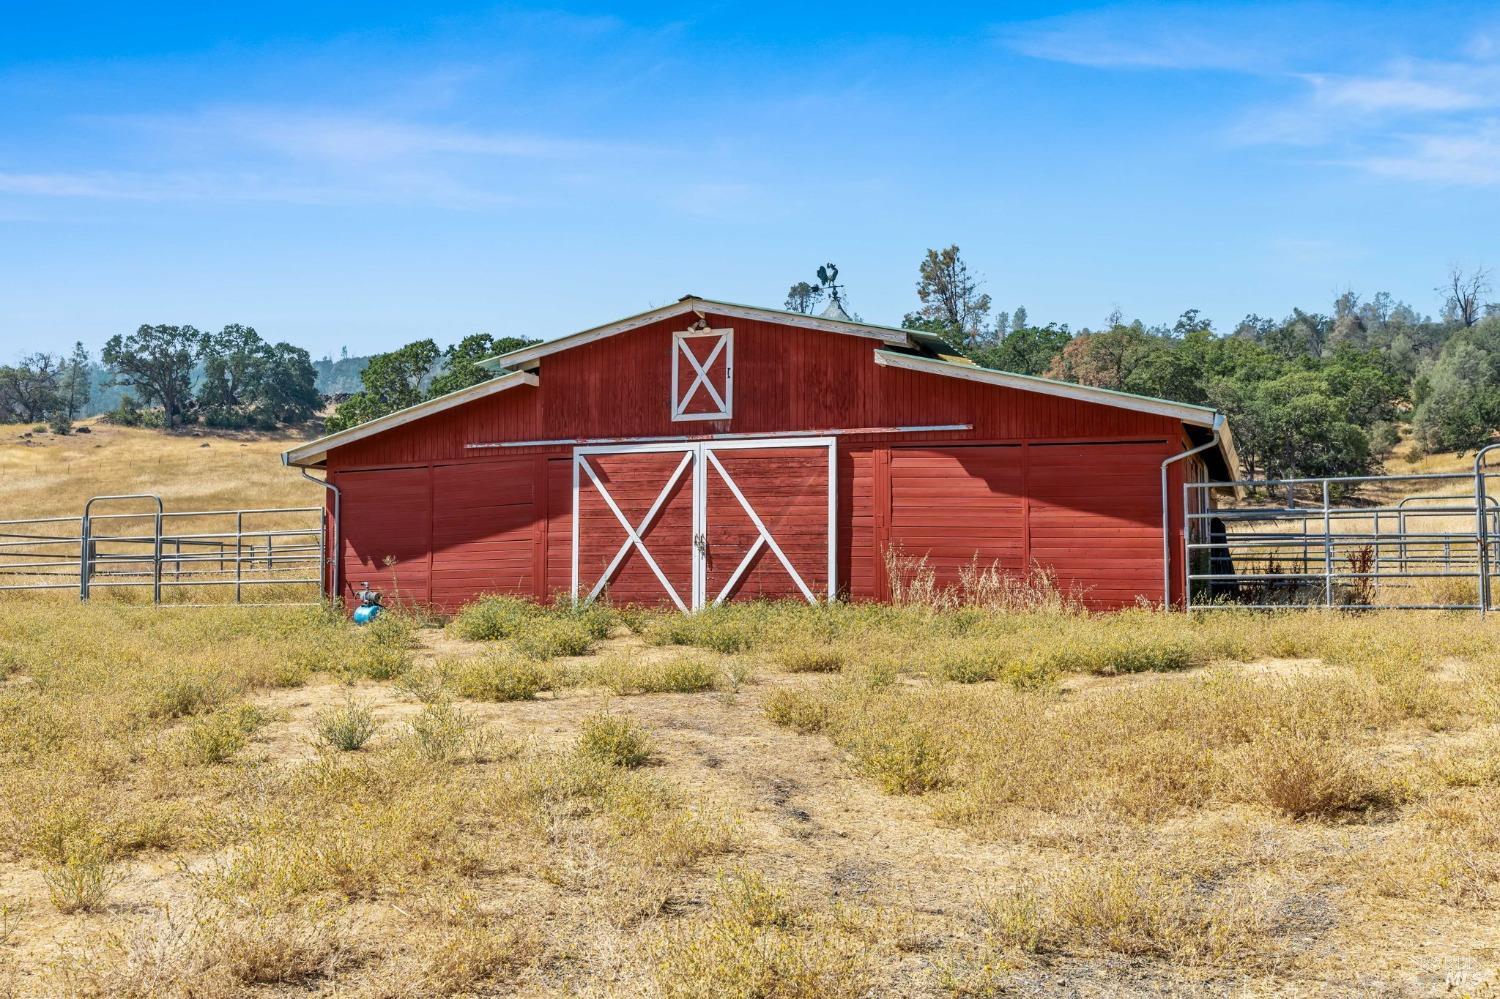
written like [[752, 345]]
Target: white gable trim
[[1198, 416], [528, 357], [314, 452]]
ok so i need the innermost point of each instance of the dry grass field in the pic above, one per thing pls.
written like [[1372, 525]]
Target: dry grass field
[[771, 801], [45, 475]]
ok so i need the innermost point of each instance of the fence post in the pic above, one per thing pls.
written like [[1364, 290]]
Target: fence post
[[239, 553], [156, 560], [1327, 550], [1481, 530], [85, 551]]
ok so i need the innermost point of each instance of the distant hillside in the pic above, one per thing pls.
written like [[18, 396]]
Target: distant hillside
[[340, 377]]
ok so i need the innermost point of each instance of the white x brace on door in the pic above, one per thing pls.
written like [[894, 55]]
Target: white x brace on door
[[652, 475]]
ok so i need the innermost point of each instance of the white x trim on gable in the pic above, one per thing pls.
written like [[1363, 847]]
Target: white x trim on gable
[[699, 376]]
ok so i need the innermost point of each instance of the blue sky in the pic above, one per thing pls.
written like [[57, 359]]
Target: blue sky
[[368, 174]]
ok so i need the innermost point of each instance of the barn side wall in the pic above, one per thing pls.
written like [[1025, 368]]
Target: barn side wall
[[1063, 483]]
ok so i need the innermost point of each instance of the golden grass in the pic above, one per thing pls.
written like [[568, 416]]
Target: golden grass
[[52, 476], [1032, 795]]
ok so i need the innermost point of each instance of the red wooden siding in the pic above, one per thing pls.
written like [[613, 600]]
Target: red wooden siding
[[559, 559], [1039, 478], [862, 505], [1095, 518], [955, 505], [387, 532], [483, 530]]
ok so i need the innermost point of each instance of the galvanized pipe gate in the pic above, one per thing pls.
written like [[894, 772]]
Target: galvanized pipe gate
[[1426, 551], [160, 549]]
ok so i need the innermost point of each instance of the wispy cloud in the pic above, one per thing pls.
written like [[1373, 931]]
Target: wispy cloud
[[228, 187], [309, 156], [1403, 117], [1468, 158], [342, 136], [1164, 36], [1411, 86]]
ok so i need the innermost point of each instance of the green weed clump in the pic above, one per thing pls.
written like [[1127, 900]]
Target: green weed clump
[[442, 733], [493, 618], [552, 637], [626, 674], [216, 737], [614, 739], [799, 710], [1135, 909], [77, 857], [905, 761], [761, 941], [382, 649], [820, 658], [498, 677], [347, 727], [727, 628]]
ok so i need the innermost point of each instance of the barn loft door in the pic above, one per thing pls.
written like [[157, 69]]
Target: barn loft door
[[698, 524]]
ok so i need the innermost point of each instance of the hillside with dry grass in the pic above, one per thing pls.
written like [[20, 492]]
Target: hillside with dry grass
[[47, 475]]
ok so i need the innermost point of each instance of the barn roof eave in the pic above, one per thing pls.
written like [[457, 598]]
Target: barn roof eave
[[528, 357], [314, 453], [1202, 416], [1205, 417]]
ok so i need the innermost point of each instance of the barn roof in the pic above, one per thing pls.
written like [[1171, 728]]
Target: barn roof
[[313, 452], [1191, 415], [528, 357], [912, 350]]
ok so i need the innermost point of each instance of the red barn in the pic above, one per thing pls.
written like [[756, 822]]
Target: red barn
[[705, 451]]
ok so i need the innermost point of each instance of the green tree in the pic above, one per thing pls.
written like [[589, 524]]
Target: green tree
[[31, 389], [77, 383], [392, 381], [803, 297], [461, 361], [156, 362], [1106, 359], [1028, 350], [231, 361], [284, 387], [1458, 407], [951, 297]]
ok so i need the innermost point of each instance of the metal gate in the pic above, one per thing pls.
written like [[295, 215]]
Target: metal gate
[[229, 554], [1348, 543]]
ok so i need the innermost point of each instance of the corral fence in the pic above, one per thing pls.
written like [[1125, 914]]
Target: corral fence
[[135, 545], [1394, 542]]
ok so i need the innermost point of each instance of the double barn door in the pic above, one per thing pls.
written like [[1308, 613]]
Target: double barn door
[[694, 524]]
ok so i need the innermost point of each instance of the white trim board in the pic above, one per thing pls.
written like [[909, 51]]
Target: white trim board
[[311, 453], [528, 357], [1198, 416], [935, 428]]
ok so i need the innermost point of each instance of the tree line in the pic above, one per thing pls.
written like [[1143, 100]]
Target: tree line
[[1310, 394], [46, 388]]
